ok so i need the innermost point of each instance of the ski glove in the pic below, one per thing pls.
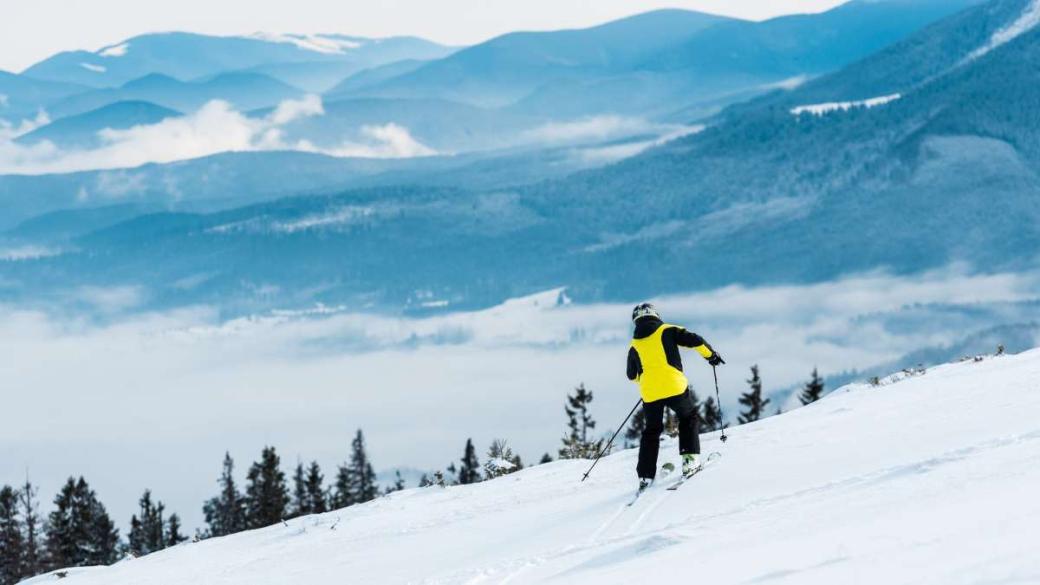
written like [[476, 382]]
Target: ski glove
[[716, 359]]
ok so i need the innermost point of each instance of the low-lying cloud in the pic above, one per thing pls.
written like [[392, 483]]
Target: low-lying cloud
[[183, 386], [216, 127]]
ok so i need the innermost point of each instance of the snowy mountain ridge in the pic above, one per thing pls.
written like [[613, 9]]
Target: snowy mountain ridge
[[927, 479]]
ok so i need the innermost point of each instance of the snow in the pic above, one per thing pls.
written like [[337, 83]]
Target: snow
[[92, 67], [824, 108], [929, 479], [3, 100], [327, 44], [26, 252], [114, 50], [1026, 22]]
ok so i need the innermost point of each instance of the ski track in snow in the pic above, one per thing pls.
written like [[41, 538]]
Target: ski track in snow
[[914, 482]]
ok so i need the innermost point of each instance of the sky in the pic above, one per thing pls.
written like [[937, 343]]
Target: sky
[[30, 31]]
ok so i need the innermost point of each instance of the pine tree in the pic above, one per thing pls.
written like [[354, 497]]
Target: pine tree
[[711, 416], [398, 484], [752, 400], [62, 549], [577, 444], [469, 472], [813, 390], [173, 531], [267, 496], [12, 541], [226, 513], [365, 478], [547, 458], [425, 481], [356, 481], [147, 532], [97, 527], [301, 505], [450, 475], [33, 559], [634, 432], [314, 489], [79, 530], [501, 460]]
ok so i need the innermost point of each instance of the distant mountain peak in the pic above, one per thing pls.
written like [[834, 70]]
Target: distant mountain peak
[[318, 43], [114, 50]]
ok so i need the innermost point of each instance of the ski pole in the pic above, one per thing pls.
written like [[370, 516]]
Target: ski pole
[[722, 419], [611, 441]]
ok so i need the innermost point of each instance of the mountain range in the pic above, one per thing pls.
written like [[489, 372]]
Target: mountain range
[[919, 155], [666, 66]]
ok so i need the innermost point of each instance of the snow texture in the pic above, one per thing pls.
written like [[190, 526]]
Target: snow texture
[[94, 68], [825, 108], [928, 479], [329, 45], [1028, 20], [115, 50]]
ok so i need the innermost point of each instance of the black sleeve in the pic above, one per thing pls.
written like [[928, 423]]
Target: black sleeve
[[634, 366], [686, 338]]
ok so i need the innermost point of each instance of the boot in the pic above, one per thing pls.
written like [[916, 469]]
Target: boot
[[691, 463]]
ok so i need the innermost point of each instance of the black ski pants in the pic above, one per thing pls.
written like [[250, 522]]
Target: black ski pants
[[650, 443]]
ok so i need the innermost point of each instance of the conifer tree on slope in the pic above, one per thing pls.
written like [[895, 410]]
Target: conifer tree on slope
[[12, 542], [398, 484], [315, 491], [173, 531], [79, 530], [501, 460], [469, 472], [712, 417], [267, 496], [813, 389], [752, 400], [356, 481], [32, 561], [300, 502], [147, 531], [226, 513], [578, 444]]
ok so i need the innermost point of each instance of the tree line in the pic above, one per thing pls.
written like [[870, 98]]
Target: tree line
[[80, 532]]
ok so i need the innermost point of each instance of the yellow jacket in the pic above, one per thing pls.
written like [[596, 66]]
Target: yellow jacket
[[659, 374]]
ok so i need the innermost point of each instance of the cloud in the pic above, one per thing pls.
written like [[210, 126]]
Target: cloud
[[9, 131], [616, 152], [387, 141], [214, 128], [594, 128]]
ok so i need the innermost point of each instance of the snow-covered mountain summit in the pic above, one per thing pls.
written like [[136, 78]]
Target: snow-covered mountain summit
[[923, 479]]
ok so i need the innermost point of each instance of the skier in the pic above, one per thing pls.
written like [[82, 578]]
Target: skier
[[654, 362]]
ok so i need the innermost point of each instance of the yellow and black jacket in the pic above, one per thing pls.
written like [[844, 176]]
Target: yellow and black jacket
[[654, 361]]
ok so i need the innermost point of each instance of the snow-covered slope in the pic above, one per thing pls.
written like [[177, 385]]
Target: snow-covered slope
[[929, 479]]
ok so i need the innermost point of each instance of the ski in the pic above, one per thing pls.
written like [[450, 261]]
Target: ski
[[711, 458], [639, 492]]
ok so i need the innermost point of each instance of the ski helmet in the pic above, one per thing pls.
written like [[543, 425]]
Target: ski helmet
[[644, 310]]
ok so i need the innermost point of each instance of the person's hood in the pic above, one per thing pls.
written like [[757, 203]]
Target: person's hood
[[646, 326]]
